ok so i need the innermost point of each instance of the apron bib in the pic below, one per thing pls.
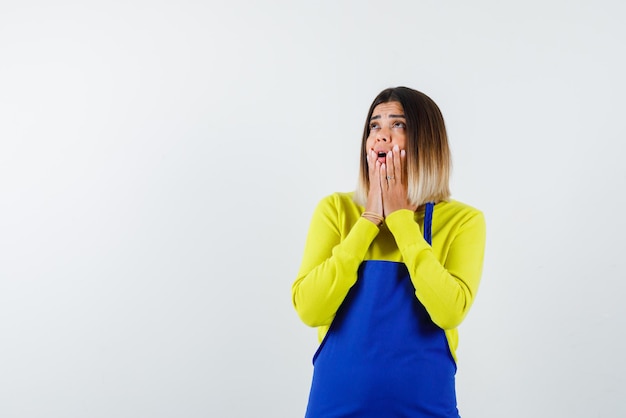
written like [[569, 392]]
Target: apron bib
[[383, 356]]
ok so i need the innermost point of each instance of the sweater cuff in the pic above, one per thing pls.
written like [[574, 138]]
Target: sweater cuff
[[360, 237], [405, 230]]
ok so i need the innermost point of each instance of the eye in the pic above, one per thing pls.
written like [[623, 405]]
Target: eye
[[400, 125], [374, 125]]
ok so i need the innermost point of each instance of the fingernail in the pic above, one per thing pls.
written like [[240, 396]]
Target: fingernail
[[402, 153], [396, 148]]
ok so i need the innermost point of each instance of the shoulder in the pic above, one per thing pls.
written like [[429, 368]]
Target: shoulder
[[340, 201], [458, 207], [339, 208], [458, 212]]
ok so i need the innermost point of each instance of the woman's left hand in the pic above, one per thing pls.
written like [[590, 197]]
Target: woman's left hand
[[394, 185]]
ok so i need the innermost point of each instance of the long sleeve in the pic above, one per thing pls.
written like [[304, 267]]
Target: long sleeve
[[445, 276], [334, 250]]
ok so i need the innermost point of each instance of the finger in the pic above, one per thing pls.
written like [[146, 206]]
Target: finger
[[397, 164], [383, 175], [374, 173], [390, 167], [403, 173], [372, 162]]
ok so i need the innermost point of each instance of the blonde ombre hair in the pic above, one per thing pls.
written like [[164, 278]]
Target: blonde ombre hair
[[428, 161]]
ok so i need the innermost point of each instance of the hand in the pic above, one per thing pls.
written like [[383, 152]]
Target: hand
[[375, 195], [394, 182]]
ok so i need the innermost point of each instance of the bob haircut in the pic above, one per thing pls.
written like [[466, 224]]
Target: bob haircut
[[428, 161]]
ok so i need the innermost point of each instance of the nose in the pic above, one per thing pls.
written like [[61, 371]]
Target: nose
[[382, 135]]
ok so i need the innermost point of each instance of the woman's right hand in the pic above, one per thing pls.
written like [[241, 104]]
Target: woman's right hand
[[375, 194]]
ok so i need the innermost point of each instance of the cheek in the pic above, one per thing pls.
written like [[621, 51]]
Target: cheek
[[402, 141]]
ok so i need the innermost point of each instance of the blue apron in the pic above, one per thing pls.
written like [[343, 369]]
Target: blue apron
[[383, 356]]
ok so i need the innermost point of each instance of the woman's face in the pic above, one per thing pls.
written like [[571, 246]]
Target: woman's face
[[387, 129]]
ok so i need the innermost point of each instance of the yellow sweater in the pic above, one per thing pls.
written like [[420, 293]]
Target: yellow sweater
[[445, 276]]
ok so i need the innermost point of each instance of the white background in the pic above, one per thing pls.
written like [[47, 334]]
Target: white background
[[160, 161]]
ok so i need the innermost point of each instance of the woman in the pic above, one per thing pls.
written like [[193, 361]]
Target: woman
[[390, 271]]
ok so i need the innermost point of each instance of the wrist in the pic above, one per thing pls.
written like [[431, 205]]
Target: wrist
[[373, 217]]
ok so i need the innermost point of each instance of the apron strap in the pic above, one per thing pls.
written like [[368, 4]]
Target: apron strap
[[428, 223]]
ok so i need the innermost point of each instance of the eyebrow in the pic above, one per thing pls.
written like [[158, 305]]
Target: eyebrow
[[391, 116]]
